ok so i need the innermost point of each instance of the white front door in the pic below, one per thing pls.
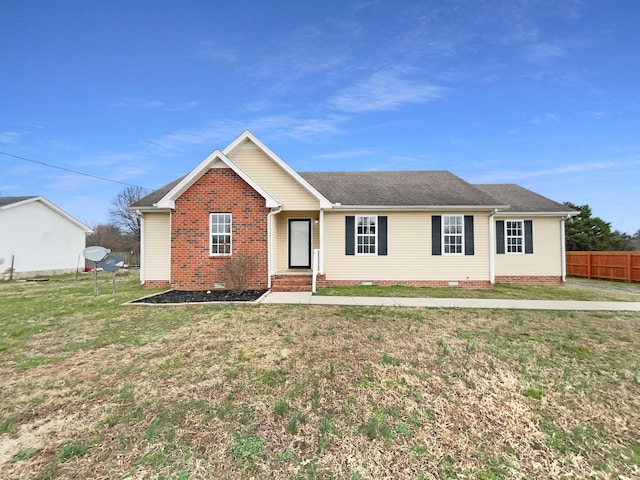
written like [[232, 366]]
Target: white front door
[[300, 243]]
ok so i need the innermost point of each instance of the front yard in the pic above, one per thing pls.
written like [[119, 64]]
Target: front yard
[[93, 389]]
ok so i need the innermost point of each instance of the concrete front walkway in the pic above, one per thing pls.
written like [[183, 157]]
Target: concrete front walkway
[[306, 298]]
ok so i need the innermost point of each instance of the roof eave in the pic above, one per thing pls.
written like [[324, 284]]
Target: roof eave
[[429, 208], [538, 214], [148, 209]]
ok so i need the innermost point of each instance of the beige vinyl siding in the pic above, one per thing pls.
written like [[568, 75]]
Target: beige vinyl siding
[[282, 263], [273, 178], [546, 258], [409, 251], [157, 246], [276, 246]]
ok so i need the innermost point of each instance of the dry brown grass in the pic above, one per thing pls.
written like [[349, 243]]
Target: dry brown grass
[[316, 392]]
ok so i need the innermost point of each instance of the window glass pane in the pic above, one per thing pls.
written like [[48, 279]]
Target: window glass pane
[[514, 236], [452, 233], [366, 234], [220, 234]]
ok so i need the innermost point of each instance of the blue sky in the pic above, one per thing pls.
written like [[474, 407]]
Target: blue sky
[[545, 94]]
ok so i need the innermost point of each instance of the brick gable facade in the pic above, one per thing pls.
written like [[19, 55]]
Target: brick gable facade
[[219, 190]]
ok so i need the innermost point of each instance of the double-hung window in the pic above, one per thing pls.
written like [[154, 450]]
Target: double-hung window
[[366, 235], [452, 234], [514, 236], [220, 233]]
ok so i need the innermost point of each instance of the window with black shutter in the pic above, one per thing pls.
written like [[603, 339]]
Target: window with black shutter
[[366, 235]]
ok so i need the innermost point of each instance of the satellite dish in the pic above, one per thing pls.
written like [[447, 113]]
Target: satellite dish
[[95, 253], [111, 263]]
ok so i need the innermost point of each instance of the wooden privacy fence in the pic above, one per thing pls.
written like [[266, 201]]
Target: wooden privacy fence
[[605, 265]]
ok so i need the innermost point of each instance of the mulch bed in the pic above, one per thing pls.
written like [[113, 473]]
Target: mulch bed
[[195, 296]]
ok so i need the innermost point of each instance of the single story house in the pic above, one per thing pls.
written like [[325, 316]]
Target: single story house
[[423, 228], [38, 238]]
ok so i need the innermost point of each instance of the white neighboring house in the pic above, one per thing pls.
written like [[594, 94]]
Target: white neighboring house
[[41, 238]]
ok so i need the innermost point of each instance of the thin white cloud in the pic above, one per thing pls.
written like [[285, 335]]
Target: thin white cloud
[[257, 105], [308, 128], [214, 51], [273, 126], [11, 137], [112, 160], [9, 188], [544, 52], [120, 166], [184, 138], [285, 70], [400, 162], [346, 154], [157, 105], [513, 175], [71, 182], [178, 107], [544, 119], [388, 89]]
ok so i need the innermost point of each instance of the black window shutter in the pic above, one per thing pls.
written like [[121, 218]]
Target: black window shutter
[[468, 235], [436, 237], [528, 236], [500, 236], [350, 235], [382, 235]]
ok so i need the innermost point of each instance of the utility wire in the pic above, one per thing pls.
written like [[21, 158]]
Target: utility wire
[[69, 170]]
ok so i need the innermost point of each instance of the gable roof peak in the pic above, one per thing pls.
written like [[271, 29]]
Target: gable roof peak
[[168, 200], [247, 135], [7, 203]]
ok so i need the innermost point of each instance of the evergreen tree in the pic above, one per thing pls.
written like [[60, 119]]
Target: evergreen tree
[[587, 233]]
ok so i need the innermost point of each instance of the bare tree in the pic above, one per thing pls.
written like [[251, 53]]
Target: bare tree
[[108, 236], [128, 222]]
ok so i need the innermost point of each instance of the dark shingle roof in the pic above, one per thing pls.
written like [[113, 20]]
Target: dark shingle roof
[[520, 199], [421, 188], [397, 189], [155, 196], [4, 201]]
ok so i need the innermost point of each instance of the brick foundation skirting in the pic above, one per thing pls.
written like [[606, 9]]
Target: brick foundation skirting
[[323, 283], [302, 285], [530, 279]]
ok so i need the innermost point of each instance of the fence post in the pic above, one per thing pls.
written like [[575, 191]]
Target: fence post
[[588, 264], [629, 267]]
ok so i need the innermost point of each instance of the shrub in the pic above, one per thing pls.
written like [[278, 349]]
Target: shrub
[[237, 270]]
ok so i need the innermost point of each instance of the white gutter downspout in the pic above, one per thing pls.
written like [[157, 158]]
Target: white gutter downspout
[[321, 259], [492, 247], [142, 262], [270, 216], [563, 250]]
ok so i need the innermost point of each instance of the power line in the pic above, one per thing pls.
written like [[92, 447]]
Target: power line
[[69, 170]]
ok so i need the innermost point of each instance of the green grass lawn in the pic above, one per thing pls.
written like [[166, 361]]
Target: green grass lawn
[[93, 389], [574, 290]]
